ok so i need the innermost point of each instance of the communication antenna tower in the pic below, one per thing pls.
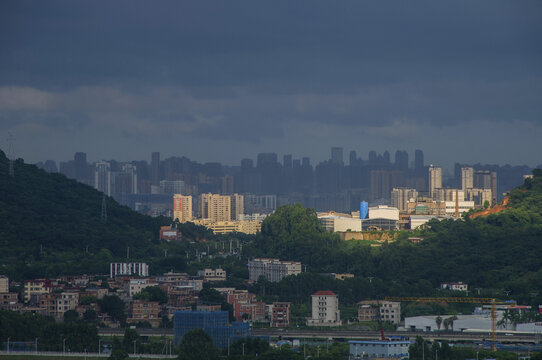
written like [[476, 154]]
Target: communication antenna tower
[[10, 155], [104, 210]]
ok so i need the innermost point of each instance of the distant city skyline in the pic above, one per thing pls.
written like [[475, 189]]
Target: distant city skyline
[[217, 82]]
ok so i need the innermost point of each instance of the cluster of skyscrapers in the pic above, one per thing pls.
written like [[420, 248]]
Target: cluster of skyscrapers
[[267, 183]]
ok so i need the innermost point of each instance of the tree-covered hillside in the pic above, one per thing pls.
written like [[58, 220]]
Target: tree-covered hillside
[[499, 254], [46, 218]]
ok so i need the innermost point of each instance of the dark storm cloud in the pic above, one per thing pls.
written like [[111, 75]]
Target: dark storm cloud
[[246, 70]]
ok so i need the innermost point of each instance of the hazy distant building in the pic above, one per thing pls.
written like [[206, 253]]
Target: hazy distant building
[[401, 196], [102, 177], [380, 186], [485, 179], [337, 156], [448, 194], [155, 168], [435, 179], [237, 206], [182, 207], [480, 196], [260, 203], [401, 160], [172, 187], [130, 173], [467, 178], [418, 162], [80, 166]]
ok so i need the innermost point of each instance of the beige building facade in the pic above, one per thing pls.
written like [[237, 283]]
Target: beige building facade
[[182, 207]]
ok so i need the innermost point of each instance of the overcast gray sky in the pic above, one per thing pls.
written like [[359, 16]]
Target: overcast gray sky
[[222, 80]]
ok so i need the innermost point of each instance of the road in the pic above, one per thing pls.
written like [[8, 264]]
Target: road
[[352, 334]]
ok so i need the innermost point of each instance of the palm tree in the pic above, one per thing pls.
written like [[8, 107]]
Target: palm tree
[[446, 323], [452, 319], [438, 320]]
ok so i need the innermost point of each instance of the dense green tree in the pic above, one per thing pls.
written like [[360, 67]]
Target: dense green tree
[[197, 345], [113, 306], [71, 315], [152, 293]]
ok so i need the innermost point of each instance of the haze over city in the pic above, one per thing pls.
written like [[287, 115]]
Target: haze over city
[[218, 82]]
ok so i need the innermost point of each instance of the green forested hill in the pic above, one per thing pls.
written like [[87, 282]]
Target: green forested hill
[[46, 218], [499, 254]]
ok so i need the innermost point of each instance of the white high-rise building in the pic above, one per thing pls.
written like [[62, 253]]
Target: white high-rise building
[[435, 179]]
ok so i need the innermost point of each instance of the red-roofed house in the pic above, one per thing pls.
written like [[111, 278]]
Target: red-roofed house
[[325, 309]]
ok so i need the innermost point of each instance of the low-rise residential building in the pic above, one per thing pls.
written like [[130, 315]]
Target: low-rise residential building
[[243, 296], [141, 310], [134, 286], [272, 270], [389, 311], [34, 288], [9, 301], [4, 284], [56, 304], [280, 314], [249, 311], [211, 275], [325, 309]]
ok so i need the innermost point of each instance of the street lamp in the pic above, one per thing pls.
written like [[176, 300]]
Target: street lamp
[[436, 354], [134, 346], [423, 349], [243, 349], [63, 346]]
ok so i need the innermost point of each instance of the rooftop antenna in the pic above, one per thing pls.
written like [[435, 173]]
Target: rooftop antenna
[[104, 210], [10, 155]]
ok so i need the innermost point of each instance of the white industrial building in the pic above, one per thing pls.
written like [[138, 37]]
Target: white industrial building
[[332, 222], [463, 206], [382, 217], [415, 221], [480, 322]]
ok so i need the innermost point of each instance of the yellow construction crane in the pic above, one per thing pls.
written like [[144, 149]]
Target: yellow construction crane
[[492, 301]]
